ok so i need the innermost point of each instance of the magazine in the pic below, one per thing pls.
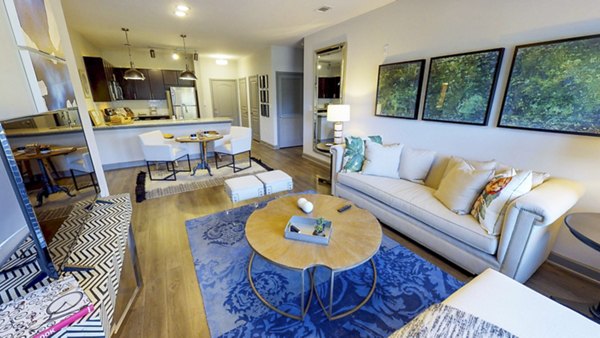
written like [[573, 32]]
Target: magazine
[[45, 311]]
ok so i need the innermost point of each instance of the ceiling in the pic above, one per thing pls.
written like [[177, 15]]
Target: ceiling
[[227, 27]]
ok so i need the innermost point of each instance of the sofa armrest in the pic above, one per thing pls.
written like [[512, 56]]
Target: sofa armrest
[[530, 226]]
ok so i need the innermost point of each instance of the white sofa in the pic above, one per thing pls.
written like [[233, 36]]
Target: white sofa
[[529, 226]]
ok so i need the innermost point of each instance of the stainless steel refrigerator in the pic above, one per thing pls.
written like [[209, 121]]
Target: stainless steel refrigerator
[[182, 103]]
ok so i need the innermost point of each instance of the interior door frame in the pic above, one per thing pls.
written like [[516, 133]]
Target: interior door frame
[[212, 97], [244, 80], [280, 102]]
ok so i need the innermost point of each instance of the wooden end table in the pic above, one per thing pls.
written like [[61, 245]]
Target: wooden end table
[[355, 240], [202, 140]]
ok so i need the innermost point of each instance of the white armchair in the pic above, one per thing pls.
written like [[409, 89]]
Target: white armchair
[[157, 149], [81, 161], [238, 141]]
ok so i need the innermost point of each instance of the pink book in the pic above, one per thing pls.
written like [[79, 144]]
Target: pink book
[[66, 322]]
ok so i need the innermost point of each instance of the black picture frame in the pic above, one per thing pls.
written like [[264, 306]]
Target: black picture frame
[[460, 87], [399, 86], [559, 103]]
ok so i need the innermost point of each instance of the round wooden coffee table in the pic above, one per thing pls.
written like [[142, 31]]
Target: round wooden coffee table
[[355, 239]]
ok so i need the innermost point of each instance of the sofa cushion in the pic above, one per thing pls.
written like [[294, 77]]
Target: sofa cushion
[[490, 206], [382, 160], [415, 164], [417, 201], [354, 152], [461, 186]]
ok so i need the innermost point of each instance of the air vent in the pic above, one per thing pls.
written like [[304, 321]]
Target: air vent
[[323, 9]]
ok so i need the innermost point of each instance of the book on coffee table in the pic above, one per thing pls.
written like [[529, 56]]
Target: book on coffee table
[[46, 310]]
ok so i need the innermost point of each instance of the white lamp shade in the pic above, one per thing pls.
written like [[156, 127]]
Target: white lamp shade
[[338, 113]]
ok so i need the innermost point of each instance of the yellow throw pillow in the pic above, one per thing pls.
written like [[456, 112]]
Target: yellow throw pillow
[[461, 186]]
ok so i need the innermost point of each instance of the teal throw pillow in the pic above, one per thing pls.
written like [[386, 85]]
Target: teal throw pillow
[[354, 153]]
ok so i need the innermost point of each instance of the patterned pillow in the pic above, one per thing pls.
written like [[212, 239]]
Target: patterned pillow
[[490, 206], [354, 153]]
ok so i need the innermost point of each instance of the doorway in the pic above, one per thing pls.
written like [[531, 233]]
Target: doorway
[[225, 100], [254, 115], [243, 89], [289, 109]]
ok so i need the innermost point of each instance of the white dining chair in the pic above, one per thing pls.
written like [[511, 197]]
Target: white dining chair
[[238, 141], [80, 161], [157, 149]]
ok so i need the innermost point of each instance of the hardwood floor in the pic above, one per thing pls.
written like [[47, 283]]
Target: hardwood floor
[[170, 303]]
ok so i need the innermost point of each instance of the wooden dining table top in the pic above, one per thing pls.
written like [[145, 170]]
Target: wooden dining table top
[[21, 155]]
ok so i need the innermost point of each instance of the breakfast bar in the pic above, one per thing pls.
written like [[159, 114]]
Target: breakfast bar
[[119, 144]]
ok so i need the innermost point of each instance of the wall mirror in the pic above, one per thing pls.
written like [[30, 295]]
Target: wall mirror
[[329, 89]]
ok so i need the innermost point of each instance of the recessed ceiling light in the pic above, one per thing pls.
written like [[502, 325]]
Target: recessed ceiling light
[[175, 56], [183, 8], [180, 13], [323, 9], [221, 62]]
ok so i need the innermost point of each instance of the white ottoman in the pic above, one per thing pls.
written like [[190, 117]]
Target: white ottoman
[[244, 188], [276, 181]]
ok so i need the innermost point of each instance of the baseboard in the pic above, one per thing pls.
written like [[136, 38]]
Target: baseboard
[[315, 160], [269, 145], [582, 270]]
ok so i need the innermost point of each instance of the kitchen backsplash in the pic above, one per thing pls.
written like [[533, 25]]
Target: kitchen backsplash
[[139, 107]]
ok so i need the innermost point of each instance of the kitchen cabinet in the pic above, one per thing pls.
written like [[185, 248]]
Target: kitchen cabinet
[[99, 73], [133, 89], [157, 84], [329, 87], [171, 79]]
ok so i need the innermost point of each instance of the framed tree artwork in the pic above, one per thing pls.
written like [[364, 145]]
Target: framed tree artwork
[[460, 87], [399, 89], [555, 86]]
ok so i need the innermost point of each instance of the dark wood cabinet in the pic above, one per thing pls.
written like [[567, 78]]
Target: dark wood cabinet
[[170, 78], [157, 84], [329, 87], [133, 89], [99, 73]]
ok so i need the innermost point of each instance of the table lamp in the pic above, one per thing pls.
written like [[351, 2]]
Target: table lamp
[[338, 113]]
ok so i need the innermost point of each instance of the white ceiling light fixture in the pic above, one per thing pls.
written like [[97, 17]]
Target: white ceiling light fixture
[[222, 62], [183, 8], [186, 74], [175, 56], [131, 73]]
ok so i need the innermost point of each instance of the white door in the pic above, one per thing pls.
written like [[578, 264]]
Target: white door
[[243, 88], [225, 100], [254, 114], [289, 109]]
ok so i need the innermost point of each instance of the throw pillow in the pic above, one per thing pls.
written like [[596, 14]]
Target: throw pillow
[[354, 153], [538, 178], [490, 206], [382, 160], [461, 186], [415, 164], [477, 165]]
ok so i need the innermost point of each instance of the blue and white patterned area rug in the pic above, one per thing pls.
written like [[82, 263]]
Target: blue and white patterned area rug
[[406, 285]]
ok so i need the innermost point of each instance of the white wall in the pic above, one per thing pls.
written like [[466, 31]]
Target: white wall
[[207, 69], [269, 61], [16, 98], [422, 29]]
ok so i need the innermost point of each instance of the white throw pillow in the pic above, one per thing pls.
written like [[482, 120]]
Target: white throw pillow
[[382, 160], [415, 164], [490, 206], [538, 177], [461, 186]]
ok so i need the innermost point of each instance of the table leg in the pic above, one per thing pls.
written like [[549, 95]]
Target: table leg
[[49, 185], [204, 158]]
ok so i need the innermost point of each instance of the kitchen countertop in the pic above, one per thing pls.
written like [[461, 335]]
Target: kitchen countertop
[[156, 123], [135, 124]]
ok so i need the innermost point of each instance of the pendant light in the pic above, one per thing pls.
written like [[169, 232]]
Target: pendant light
[[186, 74], [131, 73]]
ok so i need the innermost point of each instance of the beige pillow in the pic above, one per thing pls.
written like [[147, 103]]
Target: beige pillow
[[382, 160], [477, 165], [415, 164], [461, 186], [490, 206]]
